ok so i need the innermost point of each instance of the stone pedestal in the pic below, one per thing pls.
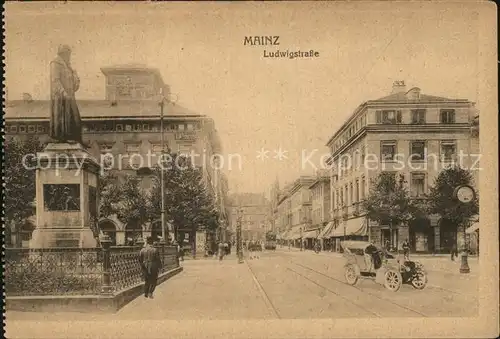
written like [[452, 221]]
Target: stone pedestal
[[67, 182]]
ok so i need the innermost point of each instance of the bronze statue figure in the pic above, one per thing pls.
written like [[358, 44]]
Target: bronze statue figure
[[65, 123]]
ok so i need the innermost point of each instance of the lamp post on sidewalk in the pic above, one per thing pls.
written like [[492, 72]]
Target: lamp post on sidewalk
[[465, 194], [164, 231], [239, 250]]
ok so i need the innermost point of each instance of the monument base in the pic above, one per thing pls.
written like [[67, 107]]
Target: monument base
[[66, 197], [51, 238]]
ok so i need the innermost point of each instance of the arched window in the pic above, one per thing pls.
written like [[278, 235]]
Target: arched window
[[108, 228], [133, 231]]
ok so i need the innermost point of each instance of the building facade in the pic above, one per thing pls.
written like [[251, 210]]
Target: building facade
[[320, 206], [294, 213], [408, 134], [124, 132], [254, 215]]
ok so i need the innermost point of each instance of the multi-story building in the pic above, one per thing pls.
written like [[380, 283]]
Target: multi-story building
[[320, 206], [127, 125], [253, 208], [406, 133], [294, 212]]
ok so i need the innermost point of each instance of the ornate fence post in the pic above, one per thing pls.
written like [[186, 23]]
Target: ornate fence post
[[106, 265]]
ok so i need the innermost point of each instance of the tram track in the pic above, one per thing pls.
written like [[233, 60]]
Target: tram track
[[337, 294], [267, 300], [356, 288]]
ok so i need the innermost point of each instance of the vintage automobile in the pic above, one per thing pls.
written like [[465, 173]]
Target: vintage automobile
[[365, 260]]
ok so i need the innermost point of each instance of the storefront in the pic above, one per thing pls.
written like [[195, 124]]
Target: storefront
[[326, 243], [352, 229], [421, 236], [309, 238], [448, 235]]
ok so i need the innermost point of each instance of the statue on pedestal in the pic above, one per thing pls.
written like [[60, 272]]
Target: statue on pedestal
[[65, 123]]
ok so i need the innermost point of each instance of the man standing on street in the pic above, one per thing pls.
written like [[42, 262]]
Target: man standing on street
[[406, 250], [220, 251], [149, 258]]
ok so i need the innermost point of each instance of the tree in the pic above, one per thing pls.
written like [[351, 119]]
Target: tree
[[19, 181], [109, 194], [389, 202], [188, 204], [442, 202], [132, 204]]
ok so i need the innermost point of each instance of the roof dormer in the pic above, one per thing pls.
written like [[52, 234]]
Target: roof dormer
[[413, 94]]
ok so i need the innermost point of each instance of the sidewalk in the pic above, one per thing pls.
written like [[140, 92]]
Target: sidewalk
[[206, 289]]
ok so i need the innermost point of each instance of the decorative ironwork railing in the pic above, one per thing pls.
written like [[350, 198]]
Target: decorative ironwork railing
[[53, 271], [125, 270], [75, 271]]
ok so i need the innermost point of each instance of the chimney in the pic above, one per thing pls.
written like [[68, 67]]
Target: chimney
[[398, 87], [27, 97]]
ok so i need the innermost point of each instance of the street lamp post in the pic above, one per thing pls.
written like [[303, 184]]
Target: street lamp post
[[466, 195], [239, 249], [162, 170], [301, 240]]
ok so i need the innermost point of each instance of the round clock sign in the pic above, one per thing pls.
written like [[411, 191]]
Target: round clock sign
[[464, 193]]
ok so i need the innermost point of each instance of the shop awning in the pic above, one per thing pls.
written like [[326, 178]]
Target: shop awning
[[310, 234], [294, 234], [474, 227], [326, 230], [355, 226], [282, 235]]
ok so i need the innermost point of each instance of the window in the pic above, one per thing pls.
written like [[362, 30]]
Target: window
[[132, 148], [389, 117], [357, 190], [351, 194], [22, 129], [156, 148], [190, 127], [363, 183], [388, 150], [418, 116], [448, 150], [128, 128], [447, 116], [417, 150], [31, 129], [184, 149], [417, 184], [145, 127], [119, 127], [137, 127], [181, 127], [341, 197], [346, 194], [40, 129], [13, 129]]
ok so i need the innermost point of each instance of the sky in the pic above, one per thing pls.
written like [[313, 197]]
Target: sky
[[257, 103]]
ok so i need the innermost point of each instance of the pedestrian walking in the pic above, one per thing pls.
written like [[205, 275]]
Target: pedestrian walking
[[454, 252], [150, 261], [226, 248], [406, 249], [180, 251], [220, 251]]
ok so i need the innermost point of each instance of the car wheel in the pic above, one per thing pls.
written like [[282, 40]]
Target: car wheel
[[393, 280], [419, 281], [351, 275]]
